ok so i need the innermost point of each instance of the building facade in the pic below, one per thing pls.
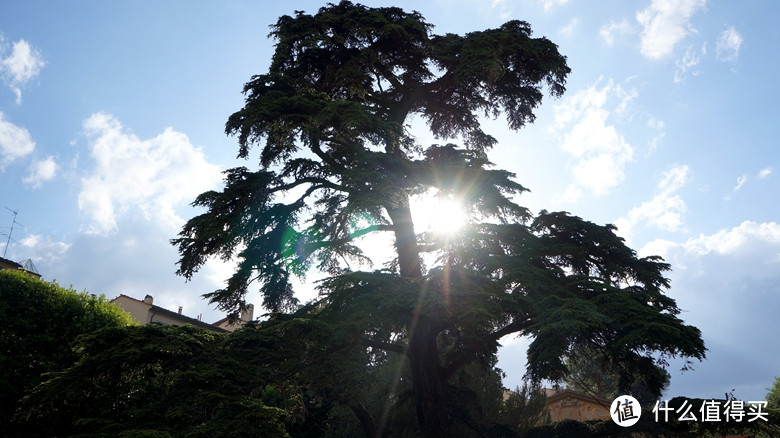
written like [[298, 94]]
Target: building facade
[[26, 266], [146, 312], [572, 405]]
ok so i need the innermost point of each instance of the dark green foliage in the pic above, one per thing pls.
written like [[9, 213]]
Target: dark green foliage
[[525, 408], [561, 429], [158, 381], [773, 396], [39, 322], [591, 373], [586, 374], [338, 163]]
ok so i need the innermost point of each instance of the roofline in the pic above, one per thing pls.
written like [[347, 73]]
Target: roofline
[[163, 310], [126, 296], [581, 395], [15, 264], [217, 323], [193, 321]]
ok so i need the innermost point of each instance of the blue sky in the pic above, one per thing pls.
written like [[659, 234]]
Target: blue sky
[[112, 120]]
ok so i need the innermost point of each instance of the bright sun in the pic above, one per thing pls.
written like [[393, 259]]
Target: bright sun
[[436, 214]]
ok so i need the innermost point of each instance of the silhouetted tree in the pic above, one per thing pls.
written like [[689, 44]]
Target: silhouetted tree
[[338, 163], [593, 373]]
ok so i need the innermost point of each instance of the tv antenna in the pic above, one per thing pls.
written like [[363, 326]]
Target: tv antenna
[[13, 223]]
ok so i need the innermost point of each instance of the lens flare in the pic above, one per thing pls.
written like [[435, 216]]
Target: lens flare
[[438, 214]]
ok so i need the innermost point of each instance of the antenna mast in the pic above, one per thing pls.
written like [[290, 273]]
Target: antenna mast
[[8, 242]]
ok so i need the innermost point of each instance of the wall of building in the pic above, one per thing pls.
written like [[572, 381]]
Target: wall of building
[[145, 312], [571, 405], [139, 310]]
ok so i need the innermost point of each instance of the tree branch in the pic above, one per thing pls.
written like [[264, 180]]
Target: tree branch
[[387, 346], [431, 247], [317, 183], [393, 79], [512, 327], [467, 355], [310, 247], [366, 421], [315, 147]]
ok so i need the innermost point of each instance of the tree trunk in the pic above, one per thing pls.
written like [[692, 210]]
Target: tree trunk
[[405, 240], [365, 420], [428, 382]]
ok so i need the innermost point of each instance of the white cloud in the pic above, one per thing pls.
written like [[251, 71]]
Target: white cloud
[[658, 126], [498, 7], [751, 246], [655, 123], [136, 260], [750, 239], [15, 141], [153, 176], [741, 180], [614, 29], [23, 64], [728, 284], [41, 171], [728, 45], [570, 27], [549, 4], [666, 210], [688, 62], [665, 23], [600, 153], [130, 192], [43, 250]]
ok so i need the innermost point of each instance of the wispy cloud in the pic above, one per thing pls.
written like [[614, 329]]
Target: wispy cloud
[[498, 7], [599, 152], [136, 260], [689, 61], [728, 45], [41, 171], [47, 251], [570, 27], [15, 141], [744, 178], [741, 180], [665, 210], [152, 176], [23, 64], [616, 29], [658, 126], [549, 4], [665, 23]]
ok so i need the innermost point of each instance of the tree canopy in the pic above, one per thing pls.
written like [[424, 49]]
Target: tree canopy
[[266, 379], [160, 381], [773, 396], [339, 163], [39, 323]]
